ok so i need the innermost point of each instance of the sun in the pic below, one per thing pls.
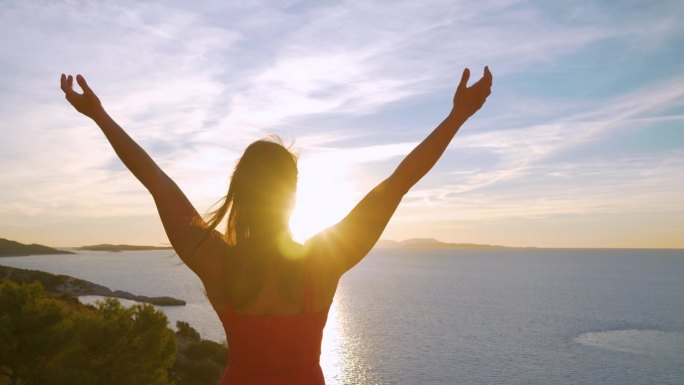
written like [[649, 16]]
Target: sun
[[325, 194]]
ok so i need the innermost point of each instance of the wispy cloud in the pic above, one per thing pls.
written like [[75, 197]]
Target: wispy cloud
[[588, 187], [520, 150]]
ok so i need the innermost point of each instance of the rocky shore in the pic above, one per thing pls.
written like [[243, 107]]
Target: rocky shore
[[64, 284]]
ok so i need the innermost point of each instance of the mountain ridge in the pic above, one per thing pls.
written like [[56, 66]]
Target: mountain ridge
[[431, 243], [121, 247], [10, 248]]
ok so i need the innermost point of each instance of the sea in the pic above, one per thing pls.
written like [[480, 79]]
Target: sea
[[451, 316]]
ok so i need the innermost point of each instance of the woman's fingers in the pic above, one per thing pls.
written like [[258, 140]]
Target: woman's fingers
[[464, 79], [81, 82], [62, 83], [66, 84], [485, 82]]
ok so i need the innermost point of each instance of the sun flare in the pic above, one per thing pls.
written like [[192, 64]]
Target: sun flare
[[325, 195]]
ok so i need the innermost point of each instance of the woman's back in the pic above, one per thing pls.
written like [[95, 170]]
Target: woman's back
[[274, 339]]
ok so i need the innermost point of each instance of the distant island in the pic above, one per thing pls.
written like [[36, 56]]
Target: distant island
[[64, 284], [431, 243], [413, 243], [15, 249], [108, 247], [11, 248]]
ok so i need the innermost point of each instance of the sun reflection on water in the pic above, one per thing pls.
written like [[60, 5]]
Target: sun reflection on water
[[331, 348], [342, 354]]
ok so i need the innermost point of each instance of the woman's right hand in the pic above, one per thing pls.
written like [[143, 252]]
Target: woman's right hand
[[86, 103], [470, 99]]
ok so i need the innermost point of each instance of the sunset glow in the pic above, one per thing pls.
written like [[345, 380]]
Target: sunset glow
[[581, 143], [325, 194]]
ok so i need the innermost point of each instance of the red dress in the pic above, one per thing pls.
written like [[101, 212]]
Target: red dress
[[265, 350]]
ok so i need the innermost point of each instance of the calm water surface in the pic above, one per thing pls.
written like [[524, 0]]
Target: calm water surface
[[519, 316]]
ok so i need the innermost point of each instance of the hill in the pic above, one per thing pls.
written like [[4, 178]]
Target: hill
[[108, 247], [15, 249], [431, 243]]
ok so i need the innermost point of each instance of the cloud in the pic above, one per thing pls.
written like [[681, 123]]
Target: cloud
[[591, 186], [520, 150], [528, 178]]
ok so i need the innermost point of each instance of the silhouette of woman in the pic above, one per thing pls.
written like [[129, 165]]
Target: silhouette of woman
[[271, 293]]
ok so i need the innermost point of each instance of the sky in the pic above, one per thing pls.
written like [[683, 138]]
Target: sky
[[581, 143]]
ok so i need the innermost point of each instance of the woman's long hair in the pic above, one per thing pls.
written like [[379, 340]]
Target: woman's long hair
[[258, 204]]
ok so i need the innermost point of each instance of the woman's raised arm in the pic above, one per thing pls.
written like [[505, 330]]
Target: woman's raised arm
[[352, 238], [184, 226]]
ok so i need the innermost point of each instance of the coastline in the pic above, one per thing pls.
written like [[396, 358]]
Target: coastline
[[64, 284]]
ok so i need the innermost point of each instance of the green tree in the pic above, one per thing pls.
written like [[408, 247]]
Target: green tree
[[118, 345], [199, 362], [34, 329], [187, 331], [46, 340]]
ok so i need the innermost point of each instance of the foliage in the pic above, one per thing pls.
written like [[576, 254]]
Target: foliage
[[187, 331], [47, 340], [34, 328], [199, 362]]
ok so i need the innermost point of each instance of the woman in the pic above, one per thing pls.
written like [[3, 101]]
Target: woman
[[271, 293]]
